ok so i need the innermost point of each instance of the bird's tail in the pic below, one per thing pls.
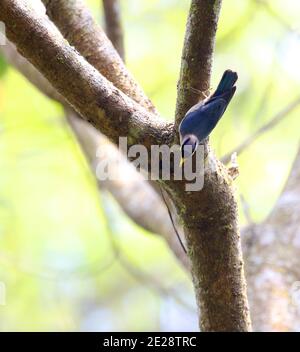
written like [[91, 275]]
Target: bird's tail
[[228, 80]]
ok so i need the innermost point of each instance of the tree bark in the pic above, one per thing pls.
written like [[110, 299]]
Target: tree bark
[[113, 25], [134, 194], [85, 89], [132, 190], [209, 216], [273, 263], [213, 235], [77, 25], [197, 55]]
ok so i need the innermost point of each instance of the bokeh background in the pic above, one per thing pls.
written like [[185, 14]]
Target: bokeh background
[[60, 238]]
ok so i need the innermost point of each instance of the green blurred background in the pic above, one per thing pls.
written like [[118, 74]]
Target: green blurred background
[[57, 258]]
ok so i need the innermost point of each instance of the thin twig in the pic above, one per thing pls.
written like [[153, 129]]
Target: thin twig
[[133, 270], [278, 117], [113, 25], [172, 221], [85, 272]]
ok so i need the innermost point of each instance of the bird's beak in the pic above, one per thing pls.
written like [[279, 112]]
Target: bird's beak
[[182, 160]]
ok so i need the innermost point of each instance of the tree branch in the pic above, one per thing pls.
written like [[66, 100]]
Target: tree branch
[[135, 196], [85, 89], [278, 117], [130, 192], [77, 25], [113, 25], [273, 263], [196, 60], [210, 215]]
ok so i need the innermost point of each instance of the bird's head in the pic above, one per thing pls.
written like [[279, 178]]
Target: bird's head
[[189, 144]]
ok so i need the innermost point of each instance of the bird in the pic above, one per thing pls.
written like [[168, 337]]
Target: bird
[[203, 117]]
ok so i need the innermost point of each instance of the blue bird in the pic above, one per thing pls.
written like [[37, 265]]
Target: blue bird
[[202, 118]]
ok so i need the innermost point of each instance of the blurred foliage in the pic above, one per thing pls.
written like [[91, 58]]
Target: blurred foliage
[[58, 255], [3, 66]]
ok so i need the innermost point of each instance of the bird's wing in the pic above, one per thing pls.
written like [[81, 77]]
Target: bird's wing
[[195, 107], [202, 121], [214, 109], [206, 120]]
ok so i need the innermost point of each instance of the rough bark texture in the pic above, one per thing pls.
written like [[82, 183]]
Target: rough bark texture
[[135, 195], [197, 55], [211, 228], [273, 263], [209, 216], [77, 25], [131, 191], [85, 89], [113, 25]]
